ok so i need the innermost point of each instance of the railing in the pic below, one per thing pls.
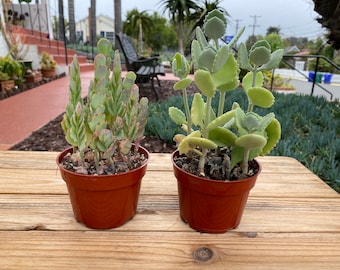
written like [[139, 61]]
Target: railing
[[317, 57]]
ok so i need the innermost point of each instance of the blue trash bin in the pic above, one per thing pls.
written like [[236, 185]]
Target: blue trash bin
[[311, 76], [327, 78]]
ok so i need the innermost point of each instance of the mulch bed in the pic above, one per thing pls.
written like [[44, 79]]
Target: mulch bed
[[51, 137]]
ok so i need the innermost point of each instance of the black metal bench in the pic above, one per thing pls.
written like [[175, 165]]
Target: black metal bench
[[146, 69]]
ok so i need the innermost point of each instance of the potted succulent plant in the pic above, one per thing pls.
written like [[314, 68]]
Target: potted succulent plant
[[104, 167], [47, 65], [214, 164], [10, 73]]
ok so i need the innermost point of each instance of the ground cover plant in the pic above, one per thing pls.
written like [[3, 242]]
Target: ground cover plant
[[310, 130]]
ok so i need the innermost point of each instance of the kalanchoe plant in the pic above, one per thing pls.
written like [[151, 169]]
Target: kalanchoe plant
[[105, 128], [236, 136]]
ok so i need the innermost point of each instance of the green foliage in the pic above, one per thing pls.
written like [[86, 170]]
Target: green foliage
[[310, 129], [10, 68], [113, 118], [47, 61], [217, 72]]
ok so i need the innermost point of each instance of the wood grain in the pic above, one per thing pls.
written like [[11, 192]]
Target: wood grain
[[292, 220]]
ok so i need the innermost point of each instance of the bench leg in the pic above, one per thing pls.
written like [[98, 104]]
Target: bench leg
[[153, 87]]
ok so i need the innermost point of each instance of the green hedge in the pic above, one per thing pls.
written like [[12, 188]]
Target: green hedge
[[310, 130]]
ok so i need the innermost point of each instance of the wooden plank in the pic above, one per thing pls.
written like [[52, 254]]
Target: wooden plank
[[42, 181], [149, 250], [160, 213]]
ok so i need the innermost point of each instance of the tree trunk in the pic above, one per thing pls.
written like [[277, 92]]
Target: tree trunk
[[140, 38], [180, 38], [93, 25], [72, 22], [118, 18], [61, 34]]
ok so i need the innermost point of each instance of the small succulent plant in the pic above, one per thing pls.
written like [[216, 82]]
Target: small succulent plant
[[47, 61], [243, 132], [113, 119]]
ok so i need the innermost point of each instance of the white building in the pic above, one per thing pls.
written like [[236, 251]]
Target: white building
[[105, 28]]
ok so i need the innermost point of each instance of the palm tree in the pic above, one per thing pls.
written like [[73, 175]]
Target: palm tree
[[61, 33], [72, 22], [93, 25], [118, 16], [201, 12], [179, 11], [136, 24]]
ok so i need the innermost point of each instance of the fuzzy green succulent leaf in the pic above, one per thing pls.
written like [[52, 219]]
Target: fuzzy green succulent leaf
[[129, 80], [216, 13], [177, 116], [221, 120], [236, 37], [243, 57], [273, 131], [182, 84], [206, 58], [104, 46], [227, 78], [215, 24], [200, 38], [275, 59], [222, 137], [97, 99], [251, 122], [197, 110], [125, 146], [180, 66], [266, 120], [247, 81], [221, 58], [190, 143], [105, 139], [260, 43], [195, 51], [204, 82], [259, 56], [251, 141], [261, 97]]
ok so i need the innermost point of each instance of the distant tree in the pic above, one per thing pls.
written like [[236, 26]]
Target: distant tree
[[162, 35], [136, 24], [179, 11], [300, 42], [275, 41], [273, 30]]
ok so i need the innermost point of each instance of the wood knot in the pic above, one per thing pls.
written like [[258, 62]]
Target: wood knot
[[202, 254]]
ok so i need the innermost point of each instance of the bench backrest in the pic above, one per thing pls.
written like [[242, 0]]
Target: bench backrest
[[127, 47]]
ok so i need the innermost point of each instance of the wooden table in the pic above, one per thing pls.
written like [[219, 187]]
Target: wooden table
[[292, 221]]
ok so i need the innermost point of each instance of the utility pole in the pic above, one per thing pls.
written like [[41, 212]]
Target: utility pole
[[237, 25], [254, 25]]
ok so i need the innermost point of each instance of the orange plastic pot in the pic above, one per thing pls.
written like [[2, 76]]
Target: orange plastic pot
[[211, 206], [105, 201]]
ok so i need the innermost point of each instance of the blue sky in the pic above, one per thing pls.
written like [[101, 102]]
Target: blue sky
[[294, 17]]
